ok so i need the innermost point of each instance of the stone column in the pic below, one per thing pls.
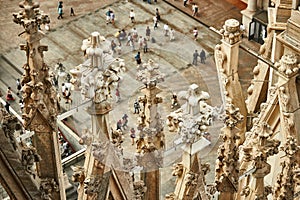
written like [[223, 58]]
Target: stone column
[[248, 14], [252, 4], [151, 136], [40, 102], [226, 56]]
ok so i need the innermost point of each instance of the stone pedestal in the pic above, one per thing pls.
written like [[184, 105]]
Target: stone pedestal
[[248, 14]]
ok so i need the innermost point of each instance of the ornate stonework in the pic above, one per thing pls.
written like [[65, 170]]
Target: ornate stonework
[[139, 188], [231, 31], [39, 95], [288, 65], [100, 73], [47, 187], [287, 184], [9, 126], [40, 102]]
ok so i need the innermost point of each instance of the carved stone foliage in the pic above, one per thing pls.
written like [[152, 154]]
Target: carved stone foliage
[[117, 137], [28, 158], [190, 179], [245, 191], [220, 57], [30, 16], [173, 120], [149, 157], [288, 65], [288, 181], [100, 73], [170, 196], [47, 187], [149, 74], [86, 137], [232, 115], [140, 189], [92, 187], [78, 175], [38, 94], [9, 126], [231, 31], [100, 151], [205, 168], [178, 170], [227, 165]]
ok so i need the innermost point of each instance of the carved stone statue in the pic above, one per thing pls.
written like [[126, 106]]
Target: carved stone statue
[[139, 190], [28, 158], [78, 177], [46, 187]]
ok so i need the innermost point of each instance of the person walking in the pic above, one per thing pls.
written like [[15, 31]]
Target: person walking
[[7, 105], [9, 96], [119, 125], [166, 29], [132, 135], [131, 44], [195, 10], [185, 2], [148, 32], [155, 22], [21, 104], [202, 56], [72, 13], [136, 107], [129, 38], [118, 37], [145, 45], [132, 16], [112, 17], [171, 34], [135, 34], [138, 58], [125, 121], [174, 101], [157, 14], [113, 46], [118, 96], [68, 96], [107, 14], [141, 42], [195, 33], [60, 10], [195, 57], [18, 86]]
